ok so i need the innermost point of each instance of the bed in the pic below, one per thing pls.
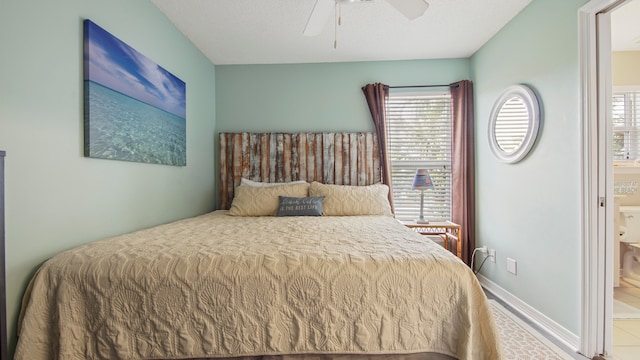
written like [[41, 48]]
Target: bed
[[243, 283]]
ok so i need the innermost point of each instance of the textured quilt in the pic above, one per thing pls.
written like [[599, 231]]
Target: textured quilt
[[220, 286]]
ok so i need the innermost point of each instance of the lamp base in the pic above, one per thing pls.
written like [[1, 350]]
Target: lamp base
[[421, 219]]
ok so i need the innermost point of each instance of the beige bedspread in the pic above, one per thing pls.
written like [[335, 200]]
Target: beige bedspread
[[217, 285]]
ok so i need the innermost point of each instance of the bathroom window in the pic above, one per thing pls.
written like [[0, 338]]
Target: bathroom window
[[626, 125]]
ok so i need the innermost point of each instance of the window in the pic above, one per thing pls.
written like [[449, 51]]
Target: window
[[626, 125], [419, 130]]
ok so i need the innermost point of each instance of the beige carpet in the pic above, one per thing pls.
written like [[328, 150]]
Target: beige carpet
[[520, 341]]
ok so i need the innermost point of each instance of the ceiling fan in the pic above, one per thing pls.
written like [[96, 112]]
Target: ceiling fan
[[411, 9]]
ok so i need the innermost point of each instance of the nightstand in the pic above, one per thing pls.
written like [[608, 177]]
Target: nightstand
[[447, 231]]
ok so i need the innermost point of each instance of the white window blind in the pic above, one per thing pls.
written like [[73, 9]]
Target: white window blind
[[626, 125], [419, 130], [512, 124]]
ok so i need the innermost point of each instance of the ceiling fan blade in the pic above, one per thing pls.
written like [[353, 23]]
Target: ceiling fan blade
[[412, 9], [319, 16]]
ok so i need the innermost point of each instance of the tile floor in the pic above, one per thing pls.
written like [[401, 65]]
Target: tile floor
[[626, 332]]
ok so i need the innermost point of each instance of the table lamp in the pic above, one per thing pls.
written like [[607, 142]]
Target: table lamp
[[422, 181]]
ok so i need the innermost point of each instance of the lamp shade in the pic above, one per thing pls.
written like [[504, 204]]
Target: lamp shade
[[422, 180]]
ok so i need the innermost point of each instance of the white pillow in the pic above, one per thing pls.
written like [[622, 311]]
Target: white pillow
[[248, 182], [350, 200]]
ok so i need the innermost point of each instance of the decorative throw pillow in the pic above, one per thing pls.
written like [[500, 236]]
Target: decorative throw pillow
[[296, 206], [263, 201], [349, 200], [248, 182]]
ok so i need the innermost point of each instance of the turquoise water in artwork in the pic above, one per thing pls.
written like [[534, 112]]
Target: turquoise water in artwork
[[120, 127]]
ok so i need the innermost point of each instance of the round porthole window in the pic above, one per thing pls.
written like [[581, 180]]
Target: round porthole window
[[514, 123]]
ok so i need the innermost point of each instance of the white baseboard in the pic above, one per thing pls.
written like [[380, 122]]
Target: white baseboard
[[563, 335]]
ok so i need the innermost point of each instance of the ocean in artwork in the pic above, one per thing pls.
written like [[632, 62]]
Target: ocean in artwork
[[124, 128], [134, 109]]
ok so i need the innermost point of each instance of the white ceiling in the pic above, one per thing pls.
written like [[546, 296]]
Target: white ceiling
[[270, 31], [625, 27]]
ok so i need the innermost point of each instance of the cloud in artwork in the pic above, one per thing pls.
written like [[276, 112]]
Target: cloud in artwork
[[114, 64]]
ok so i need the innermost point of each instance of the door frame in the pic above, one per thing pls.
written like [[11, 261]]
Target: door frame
[[597, 177]]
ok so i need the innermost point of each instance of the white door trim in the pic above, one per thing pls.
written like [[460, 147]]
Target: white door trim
[[597, 183], [590, 332], [605, 174]]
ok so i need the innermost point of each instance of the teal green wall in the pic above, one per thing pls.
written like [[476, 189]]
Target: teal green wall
[[55, 198], [316, 97], [530, 211]]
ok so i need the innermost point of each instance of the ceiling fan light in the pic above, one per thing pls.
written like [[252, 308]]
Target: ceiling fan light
[[411, 9]]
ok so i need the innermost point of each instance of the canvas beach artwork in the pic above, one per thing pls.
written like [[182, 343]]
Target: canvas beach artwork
[[134, 110]]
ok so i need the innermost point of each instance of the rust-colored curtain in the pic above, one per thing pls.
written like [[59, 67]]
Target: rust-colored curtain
[[377, 95], [463, 166]]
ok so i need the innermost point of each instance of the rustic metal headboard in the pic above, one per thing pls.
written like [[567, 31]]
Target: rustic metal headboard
[[330, 158]]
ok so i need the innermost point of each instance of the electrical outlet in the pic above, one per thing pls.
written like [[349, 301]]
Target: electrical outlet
[[492, 254], [512, 266]]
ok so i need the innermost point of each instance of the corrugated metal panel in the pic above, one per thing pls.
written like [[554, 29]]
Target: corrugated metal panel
[[330, 158]]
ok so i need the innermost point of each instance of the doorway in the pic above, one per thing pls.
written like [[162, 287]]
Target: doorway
[[625, 113], [600, 212]]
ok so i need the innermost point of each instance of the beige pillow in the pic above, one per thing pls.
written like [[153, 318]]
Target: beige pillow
[[263, 201], [347, 200]]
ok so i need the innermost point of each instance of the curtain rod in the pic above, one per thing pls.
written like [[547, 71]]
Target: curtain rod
[[420, 86]]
